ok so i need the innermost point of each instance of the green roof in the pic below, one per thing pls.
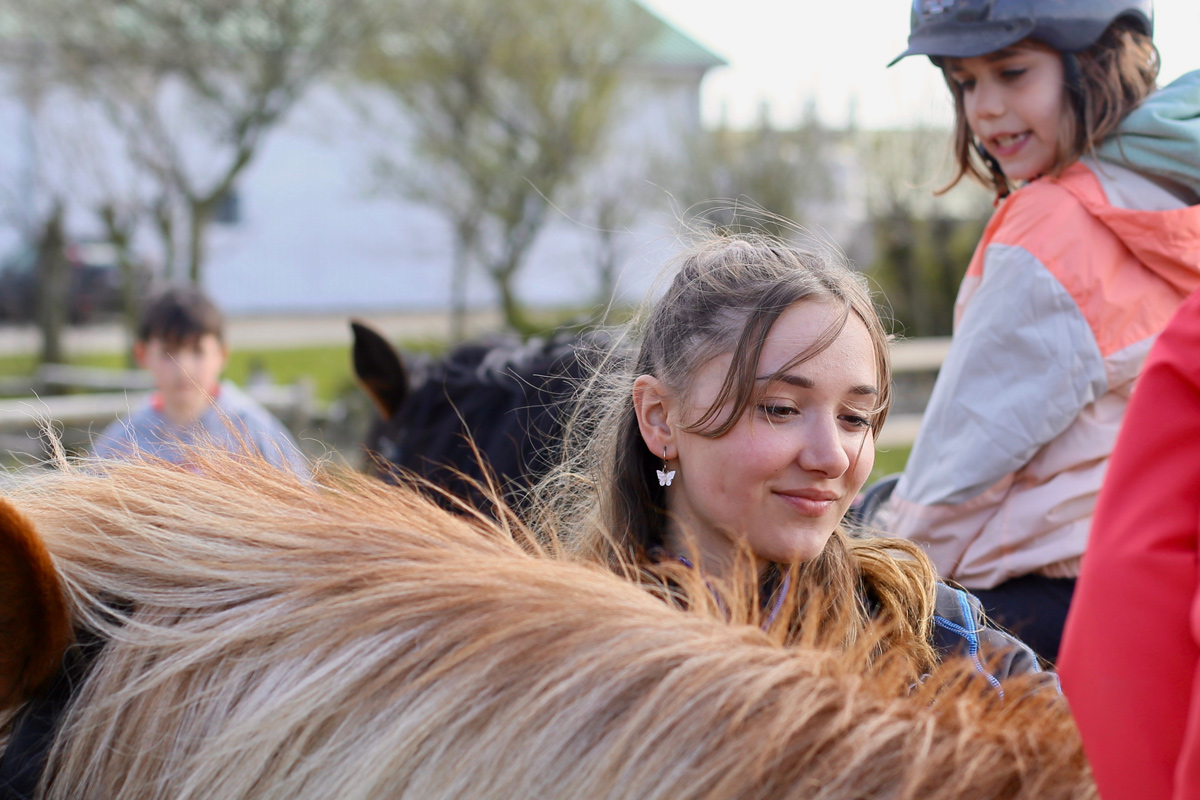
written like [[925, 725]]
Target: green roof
[[671, 46]]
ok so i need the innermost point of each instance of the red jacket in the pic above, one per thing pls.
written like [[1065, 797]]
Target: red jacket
[[1130, 663]]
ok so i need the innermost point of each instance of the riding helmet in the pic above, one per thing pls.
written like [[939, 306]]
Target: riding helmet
[[967, 28]]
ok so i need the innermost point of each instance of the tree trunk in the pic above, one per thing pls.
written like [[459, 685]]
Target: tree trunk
[[53, 287], [459, 273], [518, 239], [120, 233], [899, 231], [199, 215], [164, 223], [514, 313], [606, 262]]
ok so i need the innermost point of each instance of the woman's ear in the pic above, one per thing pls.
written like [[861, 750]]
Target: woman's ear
[[655, 407]]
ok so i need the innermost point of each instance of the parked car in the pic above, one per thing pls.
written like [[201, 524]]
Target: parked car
[[94, 287]]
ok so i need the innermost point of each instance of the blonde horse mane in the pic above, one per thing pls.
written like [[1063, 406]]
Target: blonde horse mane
[[270, 638]]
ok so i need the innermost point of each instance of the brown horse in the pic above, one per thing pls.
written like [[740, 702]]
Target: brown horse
[[258, 637]]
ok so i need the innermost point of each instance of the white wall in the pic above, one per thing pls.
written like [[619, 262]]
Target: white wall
[[313, 236]]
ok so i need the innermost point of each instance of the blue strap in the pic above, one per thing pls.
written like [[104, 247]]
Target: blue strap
[[970, 634]]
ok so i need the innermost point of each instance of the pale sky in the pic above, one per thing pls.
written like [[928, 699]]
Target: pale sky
[[785, 51]]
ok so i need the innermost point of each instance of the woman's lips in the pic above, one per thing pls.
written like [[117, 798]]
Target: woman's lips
[[809, 503]]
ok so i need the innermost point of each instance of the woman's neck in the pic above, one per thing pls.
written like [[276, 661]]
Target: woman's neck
[[717, 559]]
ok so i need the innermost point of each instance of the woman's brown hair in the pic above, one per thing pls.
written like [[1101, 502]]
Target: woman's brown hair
[[1103, 83], [725, 297]]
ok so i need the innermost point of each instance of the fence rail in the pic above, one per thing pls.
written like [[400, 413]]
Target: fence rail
[[911, 355], [77, 417], [117, 392], [100, 408]]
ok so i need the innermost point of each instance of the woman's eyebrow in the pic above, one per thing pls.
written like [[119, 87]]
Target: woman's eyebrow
[[806, 383], [794, 380]]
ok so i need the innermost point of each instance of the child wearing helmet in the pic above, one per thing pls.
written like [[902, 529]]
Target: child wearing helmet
[[1094, 244]]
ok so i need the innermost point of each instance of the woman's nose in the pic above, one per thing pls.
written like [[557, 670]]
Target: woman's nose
[[823, 450]]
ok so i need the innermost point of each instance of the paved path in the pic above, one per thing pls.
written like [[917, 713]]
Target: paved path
[[282, 331], [274, 331]]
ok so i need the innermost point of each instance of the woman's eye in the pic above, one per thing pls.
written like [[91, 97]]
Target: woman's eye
[[778, 410], [1012, 74], [966, 84], [856, 420]]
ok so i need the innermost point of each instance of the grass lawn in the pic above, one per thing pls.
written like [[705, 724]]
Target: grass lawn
[[889, 461], [16, 366], [327, 366]]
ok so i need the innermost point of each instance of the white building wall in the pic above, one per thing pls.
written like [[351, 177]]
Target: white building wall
[[313, 237]]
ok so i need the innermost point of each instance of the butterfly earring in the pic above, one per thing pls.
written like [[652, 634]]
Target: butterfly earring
[[665, 476]]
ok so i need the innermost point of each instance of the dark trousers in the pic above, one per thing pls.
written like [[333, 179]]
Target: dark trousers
[[1033, 607]]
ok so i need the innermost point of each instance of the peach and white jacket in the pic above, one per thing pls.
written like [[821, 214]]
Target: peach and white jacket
[[1073, 280]]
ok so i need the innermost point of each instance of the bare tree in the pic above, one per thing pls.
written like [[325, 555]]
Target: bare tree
[[193, 87], [922, 241], [83, 158], [503, 105], [610, 202], [759, 180], [34, 204], [53, 277]]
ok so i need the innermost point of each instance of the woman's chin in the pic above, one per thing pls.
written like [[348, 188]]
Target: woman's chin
[[796, 550]]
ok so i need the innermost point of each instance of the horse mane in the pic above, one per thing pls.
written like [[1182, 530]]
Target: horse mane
[[487, 412], [271, 638]]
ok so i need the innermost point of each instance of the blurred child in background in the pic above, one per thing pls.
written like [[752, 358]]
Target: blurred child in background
[[181, 342]]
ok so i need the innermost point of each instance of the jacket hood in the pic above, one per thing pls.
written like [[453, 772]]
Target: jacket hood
[[1165, 242], [1161, 137]]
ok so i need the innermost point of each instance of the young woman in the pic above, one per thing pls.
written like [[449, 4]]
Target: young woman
[[734, 442], [1096, 243]]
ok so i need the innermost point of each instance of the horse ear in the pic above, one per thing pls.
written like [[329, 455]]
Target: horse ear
[[34, 624], [379, 368]]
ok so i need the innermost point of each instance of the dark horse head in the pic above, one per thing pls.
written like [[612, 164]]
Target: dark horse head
[[485, 410]]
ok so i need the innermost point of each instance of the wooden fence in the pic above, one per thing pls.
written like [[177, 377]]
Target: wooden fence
[[113, 393], [912, 356]]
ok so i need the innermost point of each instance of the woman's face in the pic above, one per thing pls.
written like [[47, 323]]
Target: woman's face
[[782, 477]]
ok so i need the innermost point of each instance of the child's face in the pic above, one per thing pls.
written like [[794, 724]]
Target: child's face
[[185, 373], [1014, 101]]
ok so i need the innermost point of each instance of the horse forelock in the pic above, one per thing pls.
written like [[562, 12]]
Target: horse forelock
[[486, 410], [354, 640]]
